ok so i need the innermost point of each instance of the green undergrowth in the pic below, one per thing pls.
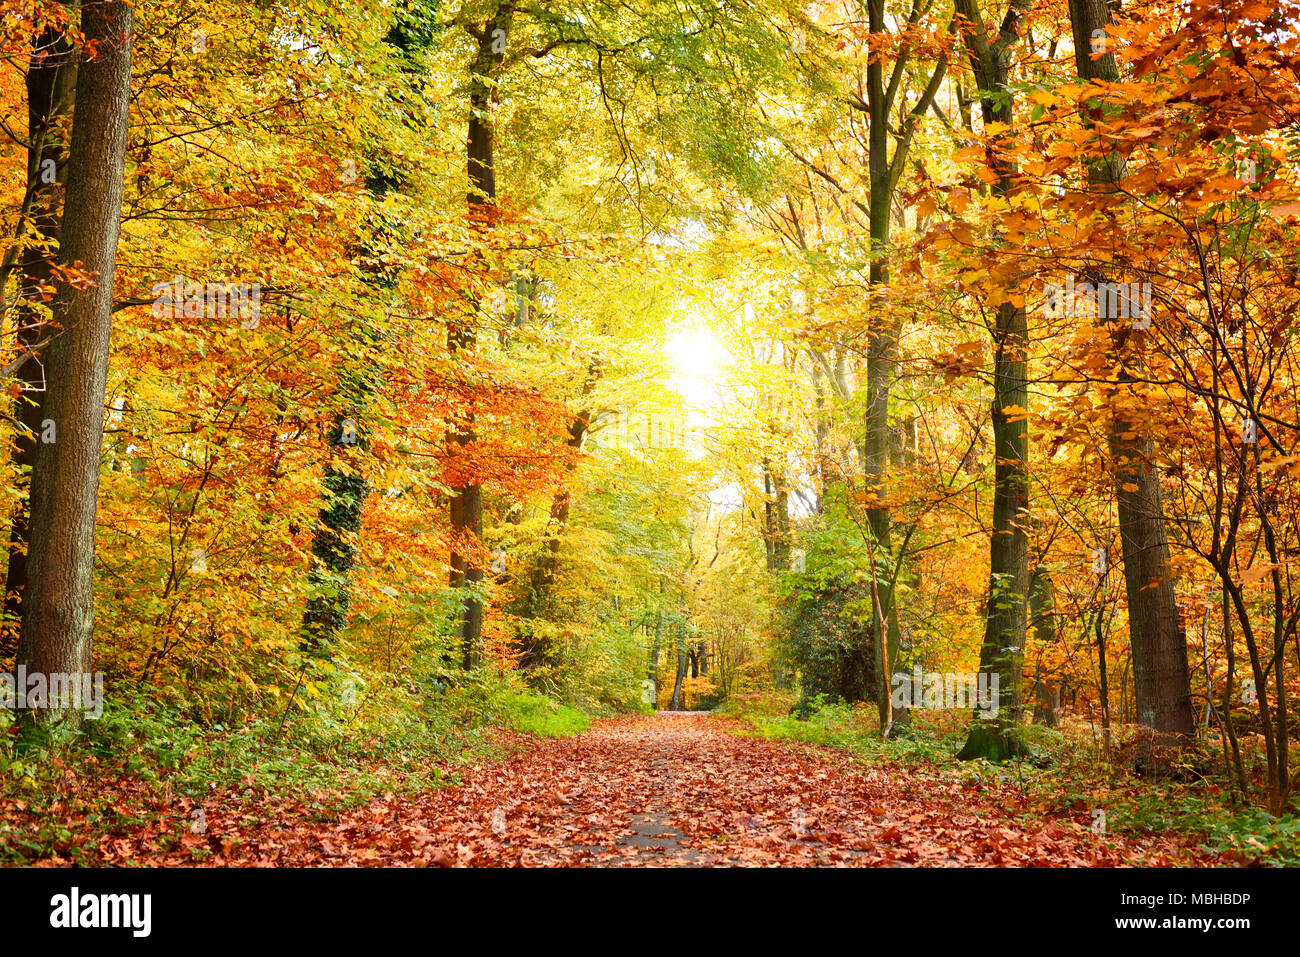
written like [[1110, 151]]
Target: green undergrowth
[[337, 743]]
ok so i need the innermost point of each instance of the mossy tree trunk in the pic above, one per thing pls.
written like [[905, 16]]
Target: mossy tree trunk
[[994, 733]]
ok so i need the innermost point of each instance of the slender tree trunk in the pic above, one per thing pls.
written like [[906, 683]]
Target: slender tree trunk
[[769, 523], [345, 484], [1042, 623], [1103, 680], [467, 500], [823, 428], [536, 650], [334, 542], [1225, 708], [653, 670], [883, 172], [881, 355], [995, 736], [58, 607], [676, 703]]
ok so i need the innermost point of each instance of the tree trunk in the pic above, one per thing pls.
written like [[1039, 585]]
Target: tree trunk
[[58, 607], [334, 542], [776, 519], [1042, 623], [823, 429], [995, 736], [51, 86], [676, 703], [542, 575], [467, 501], [881, 354], [1103, 681], [653, 670], [1162, 685]]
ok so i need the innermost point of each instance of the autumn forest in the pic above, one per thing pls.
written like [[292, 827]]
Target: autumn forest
[[442, 433]]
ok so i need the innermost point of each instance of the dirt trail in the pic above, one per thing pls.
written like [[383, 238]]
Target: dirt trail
[[681, 790]]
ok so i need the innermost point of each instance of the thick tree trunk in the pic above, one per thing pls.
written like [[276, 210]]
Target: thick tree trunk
[[51, 86], [58, 607], [1162, 685]]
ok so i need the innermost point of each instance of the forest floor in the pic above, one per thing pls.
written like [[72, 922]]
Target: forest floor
[[675, 789]]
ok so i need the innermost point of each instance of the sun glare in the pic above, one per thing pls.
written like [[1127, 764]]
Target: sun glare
[[699, 363]]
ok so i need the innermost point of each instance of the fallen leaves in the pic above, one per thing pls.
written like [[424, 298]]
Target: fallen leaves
[[672, 790]]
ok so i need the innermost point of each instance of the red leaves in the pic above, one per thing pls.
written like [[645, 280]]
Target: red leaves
[[677, 790]]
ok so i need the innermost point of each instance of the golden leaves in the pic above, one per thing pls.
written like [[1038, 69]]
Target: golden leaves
[[963, 360], [1258, 573]]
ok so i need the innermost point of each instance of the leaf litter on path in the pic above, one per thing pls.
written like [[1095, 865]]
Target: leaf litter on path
[[681, 790]]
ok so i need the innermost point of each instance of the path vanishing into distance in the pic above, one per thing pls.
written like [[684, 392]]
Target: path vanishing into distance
[[674, 790]]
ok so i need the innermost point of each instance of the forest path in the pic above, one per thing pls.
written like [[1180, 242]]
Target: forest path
[[683, 790]]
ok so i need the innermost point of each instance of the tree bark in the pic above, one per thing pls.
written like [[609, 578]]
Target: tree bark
[[334, 542], [467, 501], [675, 704], [653, 670], [51, 87], [995, 736], [1162, 684], [58, 608], [542, 576], [776, 519], [1042, 623]]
